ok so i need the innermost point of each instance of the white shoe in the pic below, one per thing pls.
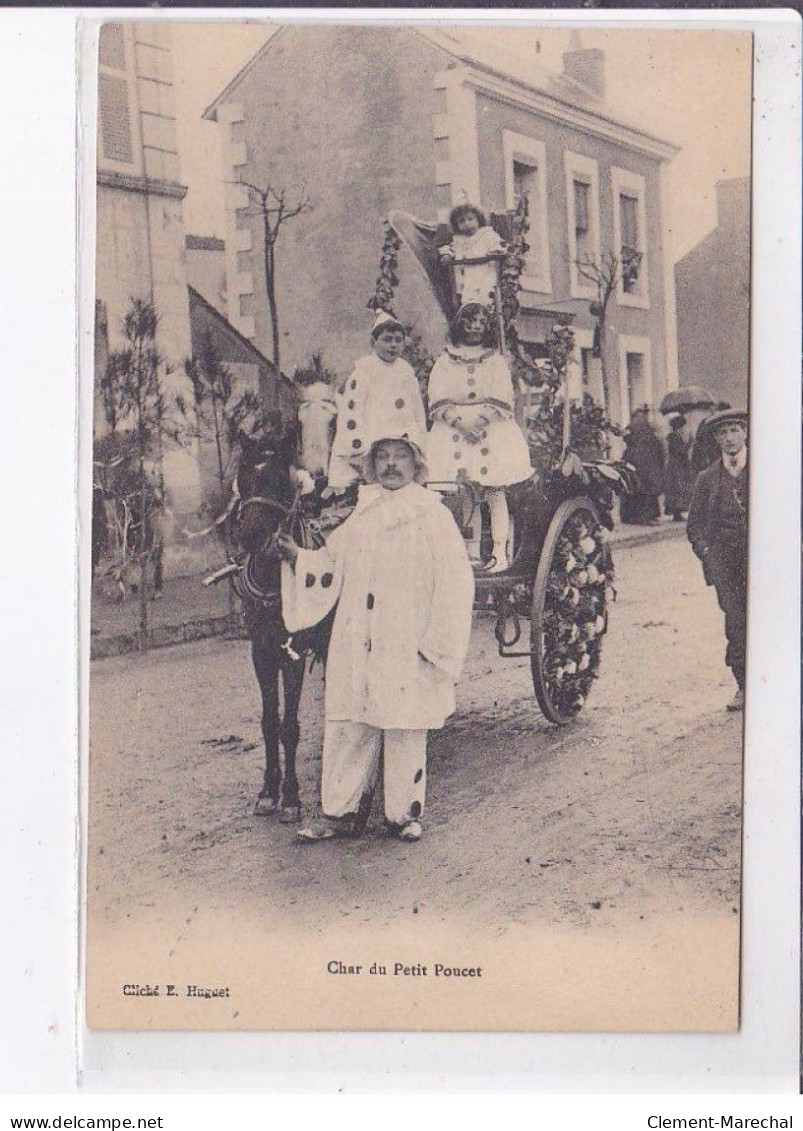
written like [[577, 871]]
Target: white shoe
[[410, 832], [497, 563]]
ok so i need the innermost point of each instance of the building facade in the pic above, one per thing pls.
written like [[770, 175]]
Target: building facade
[[366, 119], [140, 225], [713, 300], [143, 251]]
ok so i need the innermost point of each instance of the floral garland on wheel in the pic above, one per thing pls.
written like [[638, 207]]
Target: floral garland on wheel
[[575, 615]]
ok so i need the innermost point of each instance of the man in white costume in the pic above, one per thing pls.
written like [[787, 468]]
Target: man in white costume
[[399, 569]]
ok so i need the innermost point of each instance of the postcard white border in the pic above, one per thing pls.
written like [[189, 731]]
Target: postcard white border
[[39, 721]]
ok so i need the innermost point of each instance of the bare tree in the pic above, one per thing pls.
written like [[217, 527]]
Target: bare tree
[[605, 276], [276, 210]]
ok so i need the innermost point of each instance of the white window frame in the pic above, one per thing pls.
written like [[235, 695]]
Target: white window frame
[[587, 168], [633, 343], [583, 340], [528, 150], [631, 184]]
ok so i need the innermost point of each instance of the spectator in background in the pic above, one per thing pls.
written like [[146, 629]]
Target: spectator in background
[[704, 449], [678, 483], [644, 450], [717, 530]]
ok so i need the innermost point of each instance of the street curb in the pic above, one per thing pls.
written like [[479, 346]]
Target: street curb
[[653, 534], [187, 632], [167, 635]]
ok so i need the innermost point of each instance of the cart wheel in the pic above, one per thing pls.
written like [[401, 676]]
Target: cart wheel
[[569, 609]]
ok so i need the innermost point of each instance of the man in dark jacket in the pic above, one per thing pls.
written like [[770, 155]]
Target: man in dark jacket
[[717, 530]]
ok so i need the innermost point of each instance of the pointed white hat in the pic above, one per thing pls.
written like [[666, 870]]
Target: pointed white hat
[[384, 318]]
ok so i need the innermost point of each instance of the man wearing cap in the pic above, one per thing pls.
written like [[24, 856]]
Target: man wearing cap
[[398, 570], [381, 395], [717, 530]]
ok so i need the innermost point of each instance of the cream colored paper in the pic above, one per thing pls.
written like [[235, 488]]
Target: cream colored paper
[[589, 876]]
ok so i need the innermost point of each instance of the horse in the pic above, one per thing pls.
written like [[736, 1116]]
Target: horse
[[317, 414], [269, 501]]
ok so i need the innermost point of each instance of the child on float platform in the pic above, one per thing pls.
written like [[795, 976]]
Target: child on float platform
[[474, 435], [381, 397], [472, 238]]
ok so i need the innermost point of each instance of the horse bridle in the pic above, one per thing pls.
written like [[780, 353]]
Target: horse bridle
[[291, 515]]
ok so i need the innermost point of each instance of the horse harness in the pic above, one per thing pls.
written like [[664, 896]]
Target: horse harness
[[302, 531]]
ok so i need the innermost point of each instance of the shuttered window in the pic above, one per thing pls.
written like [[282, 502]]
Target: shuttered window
[[629, 213], [111, 51], [526, 183], [115, 118]]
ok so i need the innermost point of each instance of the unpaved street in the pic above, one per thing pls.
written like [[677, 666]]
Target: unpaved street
[[631, 811]]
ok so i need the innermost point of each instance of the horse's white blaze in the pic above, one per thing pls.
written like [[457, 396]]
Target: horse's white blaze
[[316, 415]]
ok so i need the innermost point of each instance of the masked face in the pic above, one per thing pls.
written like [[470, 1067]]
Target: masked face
[[731, 438], [394, 464], [389, 344]]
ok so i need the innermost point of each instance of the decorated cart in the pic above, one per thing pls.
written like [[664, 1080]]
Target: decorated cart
[[552, 603]]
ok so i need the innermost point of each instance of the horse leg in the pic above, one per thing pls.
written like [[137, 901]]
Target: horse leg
[[292, 683], [266, 665]]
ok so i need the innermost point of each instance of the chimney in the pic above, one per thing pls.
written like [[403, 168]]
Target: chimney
[[585, 65]]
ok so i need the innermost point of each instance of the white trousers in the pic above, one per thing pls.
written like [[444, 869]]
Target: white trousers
[[351, 753]]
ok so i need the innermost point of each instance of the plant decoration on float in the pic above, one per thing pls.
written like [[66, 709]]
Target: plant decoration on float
[[575, 616]]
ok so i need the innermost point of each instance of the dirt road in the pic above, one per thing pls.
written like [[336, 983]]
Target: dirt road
[[631, 811]]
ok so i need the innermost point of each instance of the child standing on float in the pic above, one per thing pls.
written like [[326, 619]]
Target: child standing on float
[[474, 435], [380, 398], [472, 238]]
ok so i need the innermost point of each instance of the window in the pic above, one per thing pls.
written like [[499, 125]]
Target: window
[[115, 120], [114, 111], [582, 228], [101, 339], [630, 228], [588, 368], [525, 175], [582, 207], [635, 375], [111, 49]]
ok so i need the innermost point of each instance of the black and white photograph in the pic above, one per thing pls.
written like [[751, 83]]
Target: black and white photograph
[[419, 522]]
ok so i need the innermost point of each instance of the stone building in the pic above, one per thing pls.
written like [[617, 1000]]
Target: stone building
[[143, 250], [367, 119], [140, 226], [713, 300]]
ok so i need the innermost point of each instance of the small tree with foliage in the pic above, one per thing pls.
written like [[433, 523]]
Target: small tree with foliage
[[313, 372], [135, 411]]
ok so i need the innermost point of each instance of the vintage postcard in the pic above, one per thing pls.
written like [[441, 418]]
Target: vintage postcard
[[419, 526]]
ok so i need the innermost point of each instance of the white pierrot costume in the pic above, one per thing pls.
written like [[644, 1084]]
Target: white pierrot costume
[[379, 398], [476, 282], [399, 567], [399, 571], [475, 380]]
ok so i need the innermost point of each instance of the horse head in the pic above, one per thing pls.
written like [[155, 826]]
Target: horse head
[[316, 417], [267, 485]]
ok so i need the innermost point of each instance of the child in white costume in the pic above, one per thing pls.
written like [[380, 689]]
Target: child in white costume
[[380, 397], [472, 238], [398, 569], [474, 435]]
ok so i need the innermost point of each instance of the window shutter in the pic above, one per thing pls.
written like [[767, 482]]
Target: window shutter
[[111, 51], [581, 194], [115, 118], [628, 206]]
